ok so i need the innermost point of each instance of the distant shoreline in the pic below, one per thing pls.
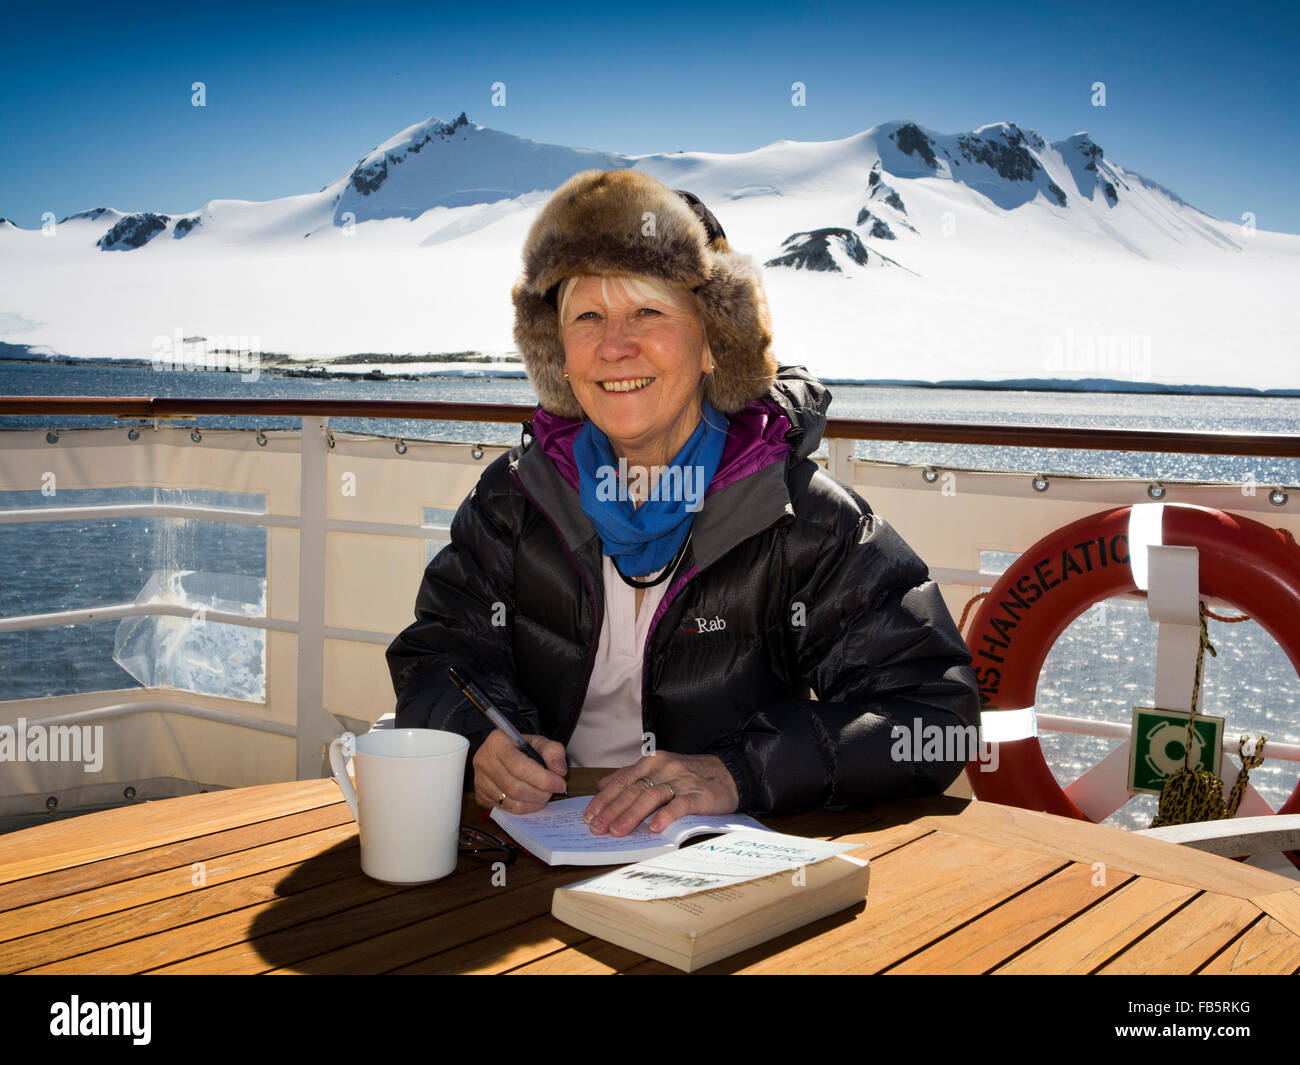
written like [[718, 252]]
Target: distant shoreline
[[370, 367]]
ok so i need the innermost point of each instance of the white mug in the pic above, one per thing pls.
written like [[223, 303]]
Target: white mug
[[407, 803]]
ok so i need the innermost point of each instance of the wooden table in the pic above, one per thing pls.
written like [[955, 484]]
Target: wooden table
[[267, 879]]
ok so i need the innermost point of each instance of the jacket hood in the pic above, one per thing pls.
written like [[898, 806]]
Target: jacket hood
[[804, 401], [787, 423]]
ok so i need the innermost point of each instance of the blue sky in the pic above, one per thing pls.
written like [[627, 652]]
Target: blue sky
[[1202, 97]]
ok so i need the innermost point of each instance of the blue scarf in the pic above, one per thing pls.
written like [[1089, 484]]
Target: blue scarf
[[644, 539]]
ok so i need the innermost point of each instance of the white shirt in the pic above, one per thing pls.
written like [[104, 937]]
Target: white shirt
[[609, 732]]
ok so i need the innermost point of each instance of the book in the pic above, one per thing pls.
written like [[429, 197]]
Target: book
[[558, 835], [704, 903]]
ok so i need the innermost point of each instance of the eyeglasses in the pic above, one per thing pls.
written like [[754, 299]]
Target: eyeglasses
[[485, 846]]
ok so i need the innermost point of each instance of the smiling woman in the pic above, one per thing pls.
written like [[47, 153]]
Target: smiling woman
[[674, 642]]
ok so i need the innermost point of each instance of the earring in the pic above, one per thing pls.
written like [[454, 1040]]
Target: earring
[[566, 376]]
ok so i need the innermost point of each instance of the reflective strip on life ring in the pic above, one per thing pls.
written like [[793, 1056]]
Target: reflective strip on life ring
[[1242, 562]]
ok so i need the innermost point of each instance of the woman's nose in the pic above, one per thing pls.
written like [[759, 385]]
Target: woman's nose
[[615, 340]]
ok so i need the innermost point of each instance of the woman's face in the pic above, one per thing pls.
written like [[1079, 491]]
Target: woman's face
[[636, 368]]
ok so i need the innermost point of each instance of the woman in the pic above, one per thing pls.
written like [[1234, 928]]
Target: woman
[[625, 615]]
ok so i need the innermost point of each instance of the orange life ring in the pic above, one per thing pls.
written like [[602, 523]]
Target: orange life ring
[[1243, 562]]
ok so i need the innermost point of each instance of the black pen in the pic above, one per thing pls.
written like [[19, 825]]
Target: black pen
[[474, 694]]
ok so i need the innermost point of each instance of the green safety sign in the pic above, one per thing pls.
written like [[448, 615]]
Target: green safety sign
[[1159, 742]]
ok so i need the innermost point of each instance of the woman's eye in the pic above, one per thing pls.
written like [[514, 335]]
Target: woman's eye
[[648, 310]]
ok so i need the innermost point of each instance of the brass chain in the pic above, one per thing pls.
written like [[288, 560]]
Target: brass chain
[[1192, 795]]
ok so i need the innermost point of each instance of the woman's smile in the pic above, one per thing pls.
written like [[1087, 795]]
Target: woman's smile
[[632, 384]]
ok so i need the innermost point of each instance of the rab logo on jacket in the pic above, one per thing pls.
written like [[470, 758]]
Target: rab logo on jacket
[[717, 624]]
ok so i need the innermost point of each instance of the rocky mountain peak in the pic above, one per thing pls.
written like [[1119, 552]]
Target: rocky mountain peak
[[822, 250], [133, 231], [912, 141], [372, 171]]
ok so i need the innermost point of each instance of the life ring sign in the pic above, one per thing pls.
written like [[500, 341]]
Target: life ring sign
[[1243, 562]]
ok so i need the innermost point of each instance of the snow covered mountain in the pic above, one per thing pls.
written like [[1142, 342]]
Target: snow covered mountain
[[462, 163], [993, 254]]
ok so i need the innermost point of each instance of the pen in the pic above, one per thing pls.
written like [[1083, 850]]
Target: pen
[[474, 694]]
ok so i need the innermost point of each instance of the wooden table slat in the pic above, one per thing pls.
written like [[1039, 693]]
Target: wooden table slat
[[424, 939], [487, 955], [1082, 841], [948, 881], [1282, 906], [1102, 931], [289, 932], [1186, 940], [1266, 947], [591, 957], [988, 941], [111, 833], [61, 882], [152, 952], [202, 920], [74, 910]]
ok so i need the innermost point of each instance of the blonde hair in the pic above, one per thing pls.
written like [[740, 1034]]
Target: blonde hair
[[638, 290]]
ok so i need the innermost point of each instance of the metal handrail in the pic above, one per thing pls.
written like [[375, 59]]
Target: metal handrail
[[1120, 730], [147, 510], [1269, 445], [200, 512], [158, 706], [115, 611]]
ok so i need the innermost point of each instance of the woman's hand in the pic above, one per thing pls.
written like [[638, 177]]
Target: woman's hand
[[683, 784], [500, 768]]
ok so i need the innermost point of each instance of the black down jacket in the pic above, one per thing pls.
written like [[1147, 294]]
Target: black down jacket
[[816, 592]]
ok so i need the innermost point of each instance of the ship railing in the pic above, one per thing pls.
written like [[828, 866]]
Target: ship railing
[[348, 533]]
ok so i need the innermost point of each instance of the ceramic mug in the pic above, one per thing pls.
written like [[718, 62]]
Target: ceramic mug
[[407, 802]]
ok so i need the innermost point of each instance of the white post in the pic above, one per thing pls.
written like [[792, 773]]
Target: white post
[[1173, 602], [314, 729], [839, 459]]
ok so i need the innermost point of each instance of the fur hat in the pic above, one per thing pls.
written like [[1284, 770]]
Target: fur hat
[[595, 223]]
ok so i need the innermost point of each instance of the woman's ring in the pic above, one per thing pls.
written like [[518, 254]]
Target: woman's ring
[[646, 783], [502, 801], [671, 794]]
